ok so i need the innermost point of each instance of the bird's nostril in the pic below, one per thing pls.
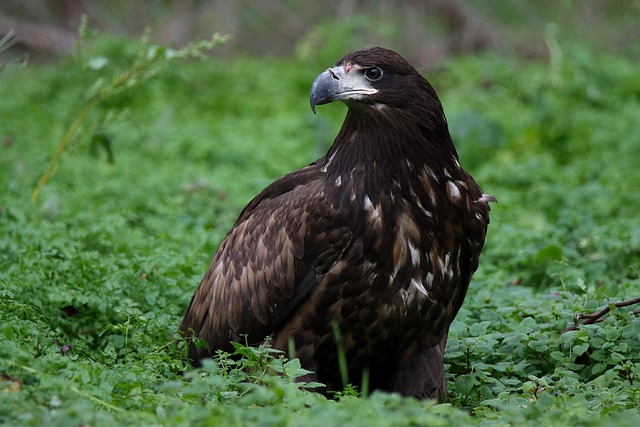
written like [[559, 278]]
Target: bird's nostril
[[333, 75]]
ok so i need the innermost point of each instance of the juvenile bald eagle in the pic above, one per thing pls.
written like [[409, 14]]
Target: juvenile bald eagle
[[380, 238]]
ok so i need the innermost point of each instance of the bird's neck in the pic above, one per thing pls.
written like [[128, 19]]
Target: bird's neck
[[382, 147]]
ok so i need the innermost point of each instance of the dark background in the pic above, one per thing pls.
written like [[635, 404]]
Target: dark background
[[425, 31]]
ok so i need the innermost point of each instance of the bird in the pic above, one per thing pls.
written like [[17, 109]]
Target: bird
[[366, 254]]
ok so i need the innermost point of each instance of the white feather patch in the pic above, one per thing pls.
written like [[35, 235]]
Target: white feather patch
[[419, 286], [429, 279], [415, 255], [370, 208], [453, 191], [486, 198]]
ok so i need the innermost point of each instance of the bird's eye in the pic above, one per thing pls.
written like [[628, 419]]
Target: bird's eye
[[373, 74]]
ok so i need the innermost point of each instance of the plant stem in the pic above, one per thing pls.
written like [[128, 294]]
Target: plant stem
[[68, 136]]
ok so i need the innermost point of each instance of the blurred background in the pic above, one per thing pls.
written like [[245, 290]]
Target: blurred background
[[426, 31]]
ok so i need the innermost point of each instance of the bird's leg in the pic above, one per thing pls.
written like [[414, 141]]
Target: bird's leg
[[422, 375]]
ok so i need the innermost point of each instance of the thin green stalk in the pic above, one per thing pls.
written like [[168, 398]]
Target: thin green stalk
[[96, 400], [342, 358], [71, 387], [66, 138], [143, 69]]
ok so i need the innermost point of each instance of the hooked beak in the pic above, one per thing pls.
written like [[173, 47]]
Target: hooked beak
[[336, 84]]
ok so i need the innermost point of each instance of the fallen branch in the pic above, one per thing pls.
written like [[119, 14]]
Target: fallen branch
[[596, 316]]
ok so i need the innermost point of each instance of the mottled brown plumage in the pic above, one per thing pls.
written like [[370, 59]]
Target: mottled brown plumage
[[379, 237]]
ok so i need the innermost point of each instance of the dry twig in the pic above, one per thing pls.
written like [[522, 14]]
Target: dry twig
[[596, 316]]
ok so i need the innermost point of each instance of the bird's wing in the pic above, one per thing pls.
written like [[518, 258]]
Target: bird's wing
[[475, 230], [283, 242]]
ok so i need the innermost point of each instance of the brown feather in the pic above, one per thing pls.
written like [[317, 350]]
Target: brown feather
[[380, 237]]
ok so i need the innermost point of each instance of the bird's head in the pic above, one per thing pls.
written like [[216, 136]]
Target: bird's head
[[393, 110], [374, 77]]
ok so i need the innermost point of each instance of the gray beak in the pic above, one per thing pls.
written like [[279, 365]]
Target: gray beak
[[336, 84], [326, 87]]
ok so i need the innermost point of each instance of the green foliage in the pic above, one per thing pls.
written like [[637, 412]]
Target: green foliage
[[146, 64], [94, 278]]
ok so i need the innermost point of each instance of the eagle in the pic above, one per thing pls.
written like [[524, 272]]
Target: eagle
[[365, 254]]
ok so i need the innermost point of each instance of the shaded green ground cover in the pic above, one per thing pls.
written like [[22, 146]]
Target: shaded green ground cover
[[96, 275]]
